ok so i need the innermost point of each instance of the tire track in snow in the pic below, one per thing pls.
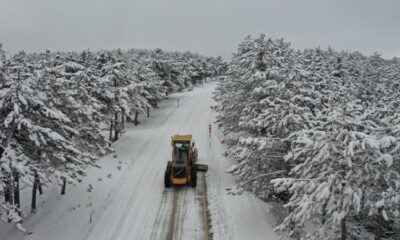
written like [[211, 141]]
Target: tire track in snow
[[127, 209], [184, 197], [117, 191], [150, 169], [146, 176], [161, 212], [169, 206], [168, 217], [171, 220], [186, 200], [181, 204], [181, 212]]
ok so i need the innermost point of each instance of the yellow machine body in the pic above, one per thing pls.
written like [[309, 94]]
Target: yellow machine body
[[182, 169]]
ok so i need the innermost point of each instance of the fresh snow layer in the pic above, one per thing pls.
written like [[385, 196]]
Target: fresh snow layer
[[126, 198], [233, 217]]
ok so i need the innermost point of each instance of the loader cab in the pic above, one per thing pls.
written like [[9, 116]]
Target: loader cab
[[181, 151]]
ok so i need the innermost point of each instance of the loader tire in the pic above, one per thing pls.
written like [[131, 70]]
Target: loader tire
[[194, 177], [167, 178]]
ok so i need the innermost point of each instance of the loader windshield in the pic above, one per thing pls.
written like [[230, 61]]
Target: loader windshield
[[181, 153]]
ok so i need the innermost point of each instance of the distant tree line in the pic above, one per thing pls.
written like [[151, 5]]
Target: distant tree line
[[319, 131], [54, 106]]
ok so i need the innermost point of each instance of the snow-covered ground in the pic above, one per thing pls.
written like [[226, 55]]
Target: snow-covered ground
[[128, 199], [233, 217]]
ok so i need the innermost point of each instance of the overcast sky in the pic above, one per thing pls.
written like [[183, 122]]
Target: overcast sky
[[209, 27]]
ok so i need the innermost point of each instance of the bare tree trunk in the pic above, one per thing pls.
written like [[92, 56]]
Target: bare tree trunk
[[116, 132], [11, 184], [64, 185], [16, 192], [123, 118], [136, 122], [33, 204], [7, 193], [115, 115], [111, 131], [39, 185], [6, 190], [38, 152], [343, 227], [34, 190], [148, 111]]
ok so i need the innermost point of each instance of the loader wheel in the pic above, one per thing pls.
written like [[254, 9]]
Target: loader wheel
[[167, 178], [194, 177]]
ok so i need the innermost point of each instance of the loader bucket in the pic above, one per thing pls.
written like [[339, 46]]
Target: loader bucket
[[201, 167]]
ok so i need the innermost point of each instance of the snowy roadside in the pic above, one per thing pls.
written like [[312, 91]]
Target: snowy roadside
[[234, 217]]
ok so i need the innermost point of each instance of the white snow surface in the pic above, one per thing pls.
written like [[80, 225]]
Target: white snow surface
[[234, 216], [132, 203]]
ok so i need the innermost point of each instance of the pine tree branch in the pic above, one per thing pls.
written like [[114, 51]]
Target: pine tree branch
[[263, 175]]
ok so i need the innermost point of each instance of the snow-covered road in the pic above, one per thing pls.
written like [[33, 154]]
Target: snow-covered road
[[128, 199]]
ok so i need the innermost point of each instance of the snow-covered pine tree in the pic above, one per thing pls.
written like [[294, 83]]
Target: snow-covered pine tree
[[110, 81], [219, 65], [164, 69], [270, 102], [336, 111], [336, 163], [121, 92], [229, 92], [150, 85], [22, 133], [341, 169], [78, 93]]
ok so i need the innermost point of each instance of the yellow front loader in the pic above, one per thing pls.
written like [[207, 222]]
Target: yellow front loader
[[182, 169]]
